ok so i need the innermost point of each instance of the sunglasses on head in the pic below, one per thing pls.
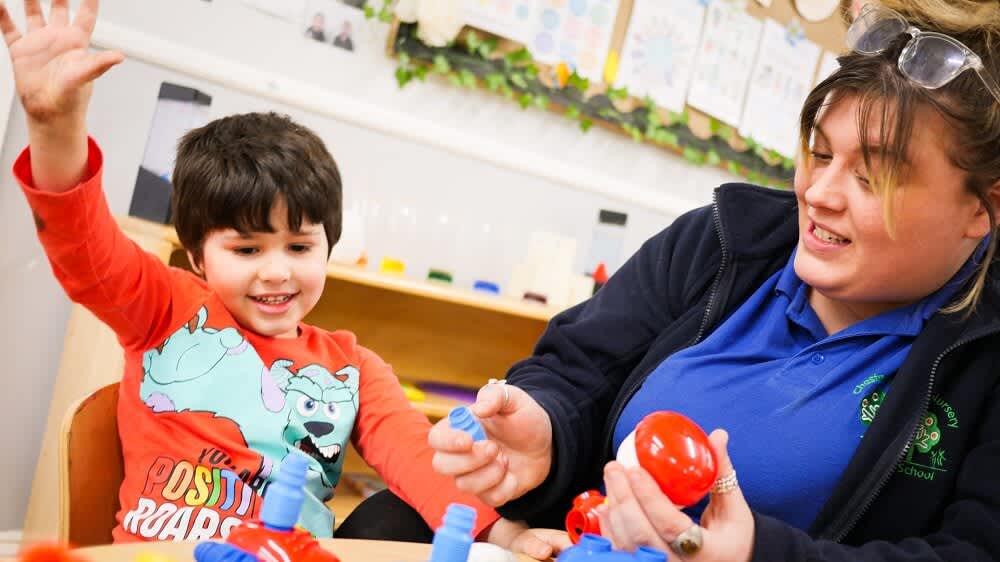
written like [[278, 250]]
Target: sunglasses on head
[[929, 59]]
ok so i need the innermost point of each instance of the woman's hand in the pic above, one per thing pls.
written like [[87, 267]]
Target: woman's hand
[[53, 74], [540, 544], [638, 514], [514, 459]]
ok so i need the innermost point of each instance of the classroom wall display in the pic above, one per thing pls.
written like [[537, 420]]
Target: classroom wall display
[[680, 74], [507, 18], [574, 32], [334, 22], [657, 59], [723, 61], [781, 79]]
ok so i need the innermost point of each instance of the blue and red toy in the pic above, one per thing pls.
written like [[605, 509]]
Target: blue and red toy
[[274, 536]]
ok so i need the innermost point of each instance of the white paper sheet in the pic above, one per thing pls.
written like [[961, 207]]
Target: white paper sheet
[[781, 80], [657, 59], [577, 32], [724, 61]]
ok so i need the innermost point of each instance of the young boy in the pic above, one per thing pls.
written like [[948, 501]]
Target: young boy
[[222, 378]]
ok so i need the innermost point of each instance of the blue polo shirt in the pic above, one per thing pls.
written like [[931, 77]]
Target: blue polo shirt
[[795, 400]]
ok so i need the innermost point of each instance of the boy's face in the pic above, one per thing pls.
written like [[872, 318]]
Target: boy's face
[[268, 281]]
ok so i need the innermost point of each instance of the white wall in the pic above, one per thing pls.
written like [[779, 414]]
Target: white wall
[[375, 164]]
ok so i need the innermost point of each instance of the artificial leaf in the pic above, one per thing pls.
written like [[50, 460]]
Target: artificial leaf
[[617, 94], [403, 76], [519, 56], [518, 80], [578, 82], [468, 78], [525, 100], [441, 64], [487, 47], [541, 101], [586, 123], [472, 42]]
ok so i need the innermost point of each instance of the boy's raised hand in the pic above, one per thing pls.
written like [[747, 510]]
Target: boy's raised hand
[[53, 74]]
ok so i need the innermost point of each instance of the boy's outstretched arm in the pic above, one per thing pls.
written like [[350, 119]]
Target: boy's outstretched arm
[[54, 74]]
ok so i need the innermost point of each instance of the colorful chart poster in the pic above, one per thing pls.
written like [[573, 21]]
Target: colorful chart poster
[[507, 18], [577, 32], [782, 78], [724, 61], [657, 59]]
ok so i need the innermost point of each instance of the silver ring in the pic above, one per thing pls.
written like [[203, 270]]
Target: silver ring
[[687, 543], [506, 393], [725, 484]]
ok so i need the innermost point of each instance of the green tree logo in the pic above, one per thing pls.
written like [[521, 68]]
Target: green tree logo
[[870, 405], [937, 458], [928, 434]]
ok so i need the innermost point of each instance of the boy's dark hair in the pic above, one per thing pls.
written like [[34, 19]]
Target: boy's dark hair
[[230, 173]]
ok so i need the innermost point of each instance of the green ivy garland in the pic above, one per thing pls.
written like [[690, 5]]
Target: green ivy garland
[[476, 61]]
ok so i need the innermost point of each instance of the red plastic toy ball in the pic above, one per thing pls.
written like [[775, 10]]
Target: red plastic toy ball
[[677, 453]]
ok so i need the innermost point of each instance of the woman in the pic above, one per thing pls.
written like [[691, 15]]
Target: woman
[[846, 335]]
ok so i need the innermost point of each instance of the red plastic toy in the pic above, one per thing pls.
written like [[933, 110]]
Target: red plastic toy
[[271, 544], [675, 451], [583, 517]]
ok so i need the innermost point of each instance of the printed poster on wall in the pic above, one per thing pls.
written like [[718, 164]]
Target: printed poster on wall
[[507, 18], [336, 23], [782, 78], [657, 59], [577, 32], [723, 62]]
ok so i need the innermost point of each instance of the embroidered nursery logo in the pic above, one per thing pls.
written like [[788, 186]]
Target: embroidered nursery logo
[[927, 456], [870, 405]]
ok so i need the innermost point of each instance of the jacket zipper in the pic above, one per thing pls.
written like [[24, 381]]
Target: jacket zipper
[[713, 293], [915, 425], [723, 262]]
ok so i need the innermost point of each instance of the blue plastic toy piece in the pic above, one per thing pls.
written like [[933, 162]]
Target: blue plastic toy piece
[[486, 287], [453, 539], [221, 552], [462, 418], [595, 548], [284, 495]]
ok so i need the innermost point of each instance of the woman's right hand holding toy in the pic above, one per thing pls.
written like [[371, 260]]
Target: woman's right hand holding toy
[[515, 457]]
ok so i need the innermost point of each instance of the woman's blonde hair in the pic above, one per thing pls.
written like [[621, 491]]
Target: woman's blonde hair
[[888, 100]]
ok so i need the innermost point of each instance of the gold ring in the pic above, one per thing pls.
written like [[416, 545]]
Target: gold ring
[[726, 484], [687, 543], [506, 393]]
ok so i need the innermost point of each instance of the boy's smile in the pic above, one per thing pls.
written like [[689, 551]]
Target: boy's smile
[[268, 281]]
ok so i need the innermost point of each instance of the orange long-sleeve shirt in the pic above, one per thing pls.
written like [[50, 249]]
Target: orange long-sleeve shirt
[[207, 408]]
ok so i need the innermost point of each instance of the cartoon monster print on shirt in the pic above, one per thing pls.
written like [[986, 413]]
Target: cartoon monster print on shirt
[[208, 370]]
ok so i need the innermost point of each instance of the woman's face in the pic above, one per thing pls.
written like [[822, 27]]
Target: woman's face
[[845, 251]]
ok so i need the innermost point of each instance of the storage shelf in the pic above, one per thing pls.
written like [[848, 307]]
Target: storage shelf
[[356, 274], [442, 292]]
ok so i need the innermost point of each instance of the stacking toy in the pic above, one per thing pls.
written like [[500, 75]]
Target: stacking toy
[[582, 519], [461, 418], [594, 548], [274, 536], [675, 452], [453, 538]]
